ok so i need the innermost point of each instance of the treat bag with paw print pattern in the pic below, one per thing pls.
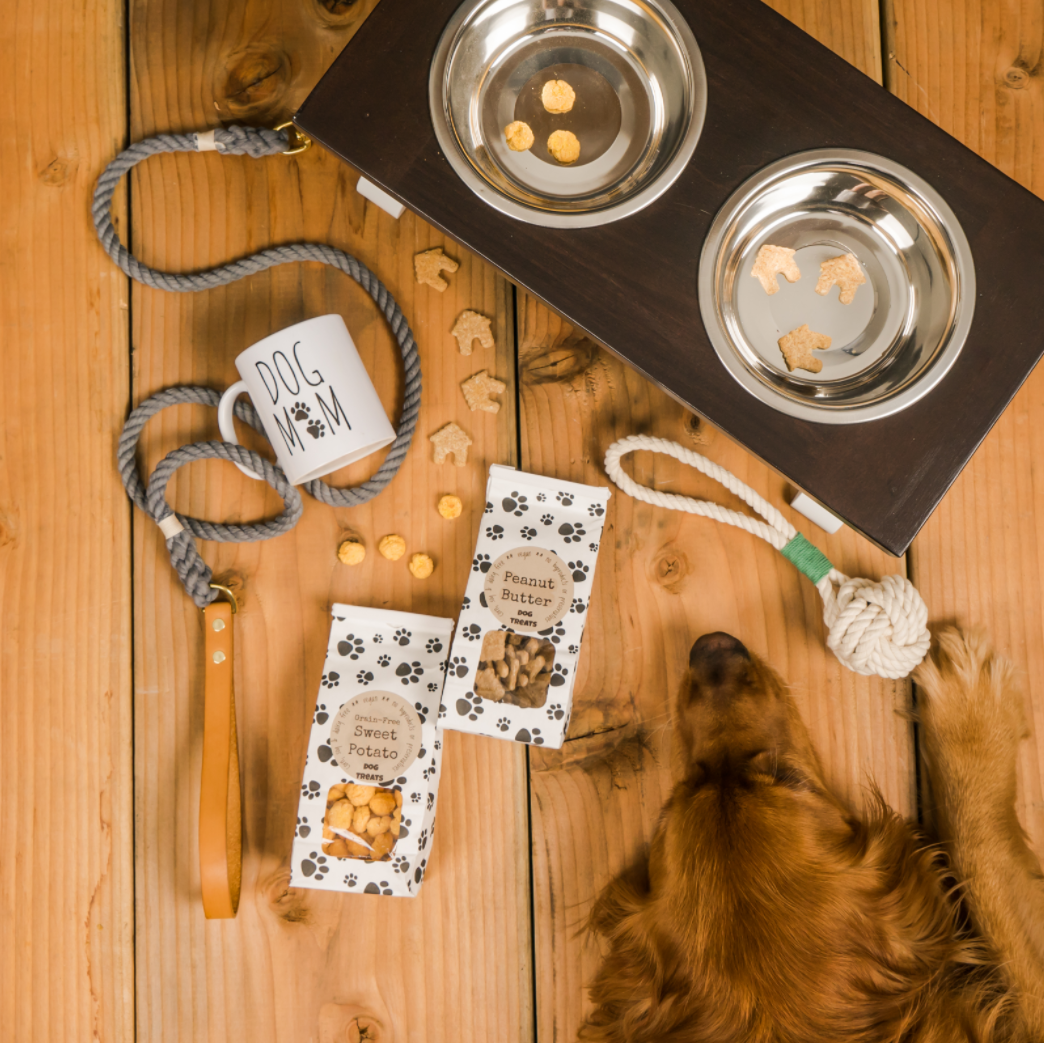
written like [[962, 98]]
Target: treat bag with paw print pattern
[[366, 816], [515, 654]]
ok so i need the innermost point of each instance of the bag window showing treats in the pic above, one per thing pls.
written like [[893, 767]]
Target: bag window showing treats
[[514, 657], [366, 816]]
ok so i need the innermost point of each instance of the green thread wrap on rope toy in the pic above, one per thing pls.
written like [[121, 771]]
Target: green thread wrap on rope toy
[[808, 558]]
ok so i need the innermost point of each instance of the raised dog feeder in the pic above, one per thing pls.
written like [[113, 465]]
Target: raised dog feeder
[[640, 90], [706, 131]]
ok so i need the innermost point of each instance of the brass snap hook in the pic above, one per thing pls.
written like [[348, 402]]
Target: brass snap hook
[[296, 139], [229, 596]]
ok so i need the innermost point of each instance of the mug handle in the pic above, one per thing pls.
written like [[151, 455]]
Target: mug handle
[[225, 424]]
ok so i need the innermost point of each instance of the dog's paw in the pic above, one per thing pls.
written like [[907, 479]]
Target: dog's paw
[[969, 703]]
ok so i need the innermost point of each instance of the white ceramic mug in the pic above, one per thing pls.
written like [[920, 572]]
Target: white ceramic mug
[[316, 401]]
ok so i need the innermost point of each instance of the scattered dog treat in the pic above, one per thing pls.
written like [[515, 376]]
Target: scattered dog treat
[[451, 439], [844, 271], [514, 658], [514, 669], [469, 327], [351, 552], [450, 506], [361, 828], [429, 264], [478, 389], [797, 347], [421, 566], [564, 146], [370, 787], [391, 547], [772, 260], [519, 136], [557, 96]]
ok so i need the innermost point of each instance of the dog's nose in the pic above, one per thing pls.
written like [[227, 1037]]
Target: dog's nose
[[716, 646]]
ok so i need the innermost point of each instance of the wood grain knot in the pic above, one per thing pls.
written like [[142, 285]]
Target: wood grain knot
[[1017, 79], [255, 79], [58, 171], [560, 362], [286, 902], [669, 569], [350, 1023]]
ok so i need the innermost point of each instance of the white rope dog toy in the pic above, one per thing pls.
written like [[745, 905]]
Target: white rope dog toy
[[874, 628]]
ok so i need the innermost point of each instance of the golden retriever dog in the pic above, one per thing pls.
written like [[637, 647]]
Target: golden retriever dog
[[769, 912]]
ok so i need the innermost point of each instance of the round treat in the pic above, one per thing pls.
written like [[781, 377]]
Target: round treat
[[340, 815], [557, 96], [382, 803], [519, 136], [421, 566], [392, 547], [360, 795], [564, 146], [351, 552], [450, 506]]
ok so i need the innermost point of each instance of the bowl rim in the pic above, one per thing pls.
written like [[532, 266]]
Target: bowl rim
[[448, 143], [830, 413]]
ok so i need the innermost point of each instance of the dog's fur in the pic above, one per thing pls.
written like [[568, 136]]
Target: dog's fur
[[770, 913]]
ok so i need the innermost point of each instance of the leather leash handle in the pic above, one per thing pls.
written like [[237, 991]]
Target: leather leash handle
[[220, 798]]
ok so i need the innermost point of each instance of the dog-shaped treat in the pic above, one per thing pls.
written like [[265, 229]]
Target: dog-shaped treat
[[770, 913]]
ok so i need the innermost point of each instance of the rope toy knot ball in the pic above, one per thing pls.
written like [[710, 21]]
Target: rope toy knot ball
[[876, 627]]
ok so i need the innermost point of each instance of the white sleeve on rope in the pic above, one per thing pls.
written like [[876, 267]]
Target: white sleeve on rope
[[873, 627]]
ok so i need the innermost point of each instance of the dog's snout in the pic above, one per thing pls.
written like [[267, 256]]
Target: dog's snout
[[716, 646]]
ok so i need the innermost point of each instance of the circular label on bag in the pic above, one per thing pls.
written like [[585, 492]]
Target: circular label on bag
[[376, 736], [529, 588]]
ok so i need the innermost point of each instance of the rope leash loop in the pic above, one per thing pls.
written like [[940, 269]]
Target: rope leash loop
[[874, 628], [179, 529], [258, 142]]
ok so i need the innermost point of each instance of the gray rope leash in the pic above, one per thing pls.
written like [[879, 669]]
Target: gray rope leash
[[178, 528], [257, 142]]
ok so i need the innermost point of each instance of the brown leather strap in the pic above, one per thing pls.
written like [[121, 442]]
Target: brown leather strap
[[220, 817]]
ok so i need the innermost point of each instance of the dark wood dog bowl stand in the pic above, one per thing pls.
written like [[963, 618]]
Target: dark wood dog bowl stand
[[631, 285]]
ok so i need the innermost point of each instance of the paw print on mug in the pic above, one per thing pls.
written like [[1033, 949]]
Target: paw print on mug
[[514, 504], [317, 429], [300, 411]]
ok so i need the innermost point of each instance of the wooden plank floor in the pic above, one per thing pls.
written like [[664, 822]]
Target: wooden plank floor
[[112, 945]]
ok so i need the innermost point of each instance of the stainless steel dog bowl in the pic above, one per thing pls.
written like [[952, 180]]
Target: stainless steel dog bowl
[[641, 94], [907, 323]]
